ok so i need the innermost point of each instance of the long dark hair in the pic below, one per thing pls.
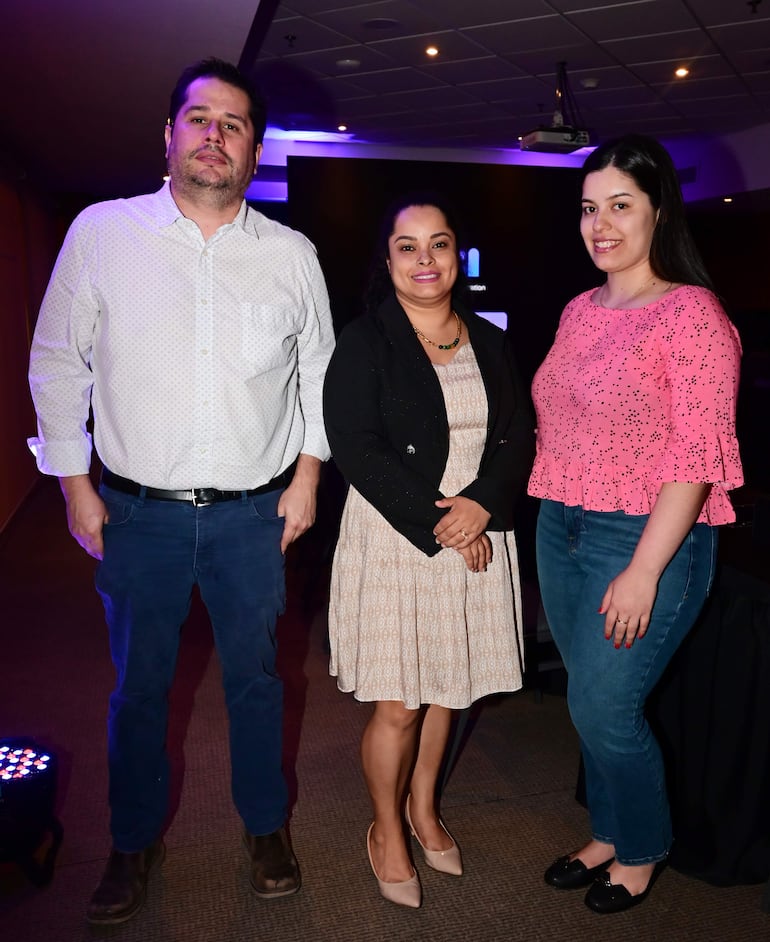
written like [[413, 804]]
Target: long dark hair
[[673, 253], [379, 284]]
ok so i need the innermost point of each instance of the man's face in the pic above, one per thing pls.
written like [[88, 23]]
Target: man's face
[[210, 147]]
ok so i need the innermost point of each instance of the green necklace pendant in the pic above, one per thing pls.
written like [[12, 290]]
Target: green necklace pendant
[[442, 346]]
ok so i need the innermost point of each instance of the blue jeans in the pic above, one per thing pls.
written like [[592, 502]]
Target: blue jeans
[[578, 553], [154, 553]]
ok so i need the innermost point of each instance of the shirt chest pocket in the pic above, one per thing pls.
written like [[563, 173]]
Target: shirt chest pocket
[[268, 335]]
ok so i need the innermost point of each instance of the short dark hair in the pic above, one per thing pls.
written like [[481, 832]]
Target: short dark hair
[[225, 72], [673, 253], [379, 284]]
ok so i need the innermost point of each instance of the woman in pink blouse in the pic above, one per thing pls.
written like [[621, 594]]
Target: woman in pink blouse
[[636, 451]]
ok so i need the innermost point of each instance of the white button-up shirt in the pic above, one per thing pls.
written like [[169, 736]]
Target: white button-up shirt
[[203, 361]]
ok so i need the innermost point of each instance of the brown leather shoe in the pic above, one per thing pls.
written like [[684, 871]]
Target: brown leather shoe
[[274, 868], [123, 887]]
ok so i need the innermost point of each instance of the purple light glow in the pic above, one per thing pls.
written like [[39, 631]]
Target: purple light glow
[[282, 144]]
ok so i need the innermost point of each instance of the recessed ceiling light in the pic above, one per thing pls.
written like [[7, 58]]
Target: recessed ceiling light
[[431, 51], [348, 63], [727, 199], [682, 72], [342, 127]]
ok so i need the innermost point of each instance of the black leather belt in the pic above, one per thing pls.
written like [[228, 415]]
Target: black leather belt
[[197, 496]]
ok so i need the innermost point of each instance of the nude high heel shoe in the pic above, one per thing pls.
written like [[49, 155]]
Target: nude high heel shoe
[[406, 893], [445, 861]]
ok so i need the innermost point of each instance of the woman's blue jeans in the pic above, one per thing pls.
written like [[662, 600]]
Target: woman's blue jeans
[[578, 553], [154, 553]]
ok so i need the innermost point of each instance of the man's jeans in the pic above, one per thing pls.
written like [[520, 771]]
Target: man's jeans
[[578, 554], [154, 553]]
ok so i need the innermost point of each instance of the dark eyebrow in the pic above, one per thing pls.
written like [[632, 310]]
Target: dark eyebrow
[[206, 108], [613, 196], [409, 238]]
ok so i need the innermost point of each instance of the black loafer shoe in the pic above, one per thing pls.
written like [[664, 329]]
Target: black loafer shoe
[[608, 897], [274, 868], [123, 887], [566, 874]]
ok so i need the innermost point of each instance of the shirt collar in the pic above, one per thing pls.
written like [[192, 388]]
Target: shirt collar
[[166, 212]]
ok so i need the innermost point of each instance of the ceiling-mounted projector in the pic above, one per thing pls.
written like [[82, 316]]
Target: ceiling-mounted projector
[[555, 140], [563, 136]]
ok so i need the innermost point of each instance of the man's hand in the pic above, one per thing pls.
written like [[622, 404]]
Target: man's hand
[[298, 502], [86, 513]]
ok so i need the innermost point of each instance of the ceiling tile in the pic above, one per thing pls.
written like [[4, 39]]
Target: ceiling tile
[[531, 90], [636, 7], [460, 15], [370, 22], [324, 61], [753, 35], [521, 36], [751, 60], [299, 35], [717, 12], [312, 7], [471, 71], [624, 21], [411, 49], [758, 82], [578, 56], [707, 88], [401, 79], [612, 77], [442, 96], [664, 72], [683, 45]]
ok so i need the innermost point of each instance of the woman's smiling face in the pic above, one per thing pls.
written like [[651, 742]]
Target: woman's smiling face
[[422, 256], [618, 221]]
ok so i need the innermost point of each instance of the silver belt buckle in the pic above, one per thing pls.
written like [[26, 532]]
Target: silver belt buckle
[[203, 496]]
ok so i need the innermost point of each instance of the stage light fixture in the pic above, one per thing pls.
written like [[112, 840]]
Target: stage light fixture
[[28, 776]]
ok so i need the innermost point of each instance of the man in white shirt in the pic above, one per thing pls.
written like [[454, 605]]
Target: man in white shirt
[[199, 332]]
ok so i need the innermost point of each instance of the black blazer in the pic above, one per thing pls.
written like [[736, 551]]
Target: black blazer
[[388, 430]]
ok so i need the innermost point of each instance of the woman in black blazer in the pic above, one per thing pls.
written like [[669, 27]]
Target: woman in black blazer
[[427, 422]]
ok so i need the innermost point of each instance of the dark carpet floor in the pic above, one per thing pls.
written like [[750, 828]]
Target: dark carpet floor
[[508, 801]]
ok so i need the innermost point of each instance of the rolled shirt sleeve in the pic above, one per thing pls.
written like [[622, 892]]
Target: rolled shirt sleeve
[[60, 374]]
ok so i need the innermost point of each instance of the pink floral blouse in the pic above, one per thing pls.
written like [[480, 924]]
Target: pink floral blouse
[[627, 400]]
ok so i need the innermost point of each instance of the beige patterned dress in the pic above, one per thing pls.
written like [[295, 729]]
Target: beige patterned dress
[[419, 629]]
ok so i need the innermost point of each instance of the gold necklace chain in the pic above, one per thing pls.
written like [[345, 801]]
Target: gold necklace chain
[[442, 346], [628, 300]]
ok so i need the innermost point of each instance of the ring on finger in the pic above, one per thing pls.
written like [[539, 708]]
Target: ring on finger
[[464, 534], [620, 621]]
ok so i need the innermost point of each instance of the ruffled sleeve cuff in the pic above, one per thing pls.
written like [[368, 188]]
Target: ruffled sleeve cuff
[[712, 460]]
